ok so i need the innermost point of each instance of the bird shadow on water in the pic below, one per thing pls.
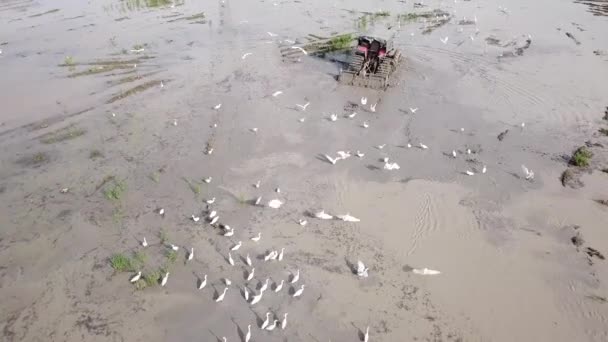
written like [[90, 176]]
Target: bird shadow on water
[[372, 167], [359, 332], [322, 158], [239, 331], [217, 338], [351, 266]]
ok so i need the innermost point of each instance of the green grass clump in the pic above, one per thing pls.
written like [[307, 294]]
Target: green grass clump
[[115, 190], [163, 236], [341, 42], [122, 263], [69, 61], [382, 14], [152, 278], [171, 256], [581, 157]]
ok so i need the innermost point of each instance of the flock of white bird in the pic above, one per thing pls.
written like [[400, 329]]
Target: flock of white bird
[[254, 297]]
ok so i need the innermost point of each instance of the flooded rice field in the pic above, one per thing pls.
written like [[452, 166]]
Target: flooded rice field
[[176, 170]]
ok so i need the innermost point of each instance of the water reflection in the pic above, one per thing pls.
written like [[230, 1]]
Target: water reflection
[[597, 7]]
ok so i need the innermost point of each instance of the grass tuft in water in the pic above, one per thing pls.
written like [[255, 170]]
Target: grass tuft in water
[[115, 190], [171, 256], [581, 157], [122, 263]]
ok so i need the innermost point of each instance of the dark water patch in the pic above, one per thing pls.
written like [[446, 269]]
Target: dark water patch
[[135, 90], [45, 13], [597, 7]]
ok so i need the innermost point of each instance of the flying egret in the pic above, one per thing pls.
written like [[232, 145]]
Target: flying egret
[[272, 34], [361, 269], [444, 40], [191, 254], [255, 299], [303, 107], [144, 243], [203, 282], [381, 146], [195, 218], [281, 254], [208, 180], [413, 110], [351, 116], [470, 173], [257, 238], [484, 170], [391, 166], [230, 260], [323, 216], [245, 55], [164, 281], [237, 246], [409, 145], [423, 146], [275, 204], [333, 161], [425, 271], [277, 93], [348, 218], [302, 119], [250, 275], [265, 285], [272, 326], [221, 296], [135, 277], [364, 101], [257, 184], [266, 321], [359, 154], [373, 107], [254, 129], [333, 117], [161, 211], [269, 256], [217, 106], [284, 322], [529, 173], [248, 260], [343, 155], [298, 293], [278, 287], [295, 277], [248, 335]]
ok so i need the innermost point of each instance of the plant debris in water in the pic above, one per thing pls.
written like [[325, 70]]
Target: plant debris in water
[[45, 13], [195, 17], [66, 133], [138, 89]]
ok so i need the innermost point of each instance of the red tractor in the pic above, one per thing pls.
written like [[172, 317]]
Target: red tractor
[[372, 63]]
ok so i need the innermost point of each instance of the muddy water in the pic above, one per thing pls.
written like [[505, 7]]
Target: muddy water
[[117, 103]]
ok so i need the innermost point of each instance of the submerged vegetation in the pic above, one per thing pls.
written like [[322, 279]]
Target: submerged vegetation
[[134, 90]]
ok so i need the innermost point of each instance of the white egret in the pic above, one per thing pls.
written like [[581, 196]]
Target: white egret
[[221, 296]]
